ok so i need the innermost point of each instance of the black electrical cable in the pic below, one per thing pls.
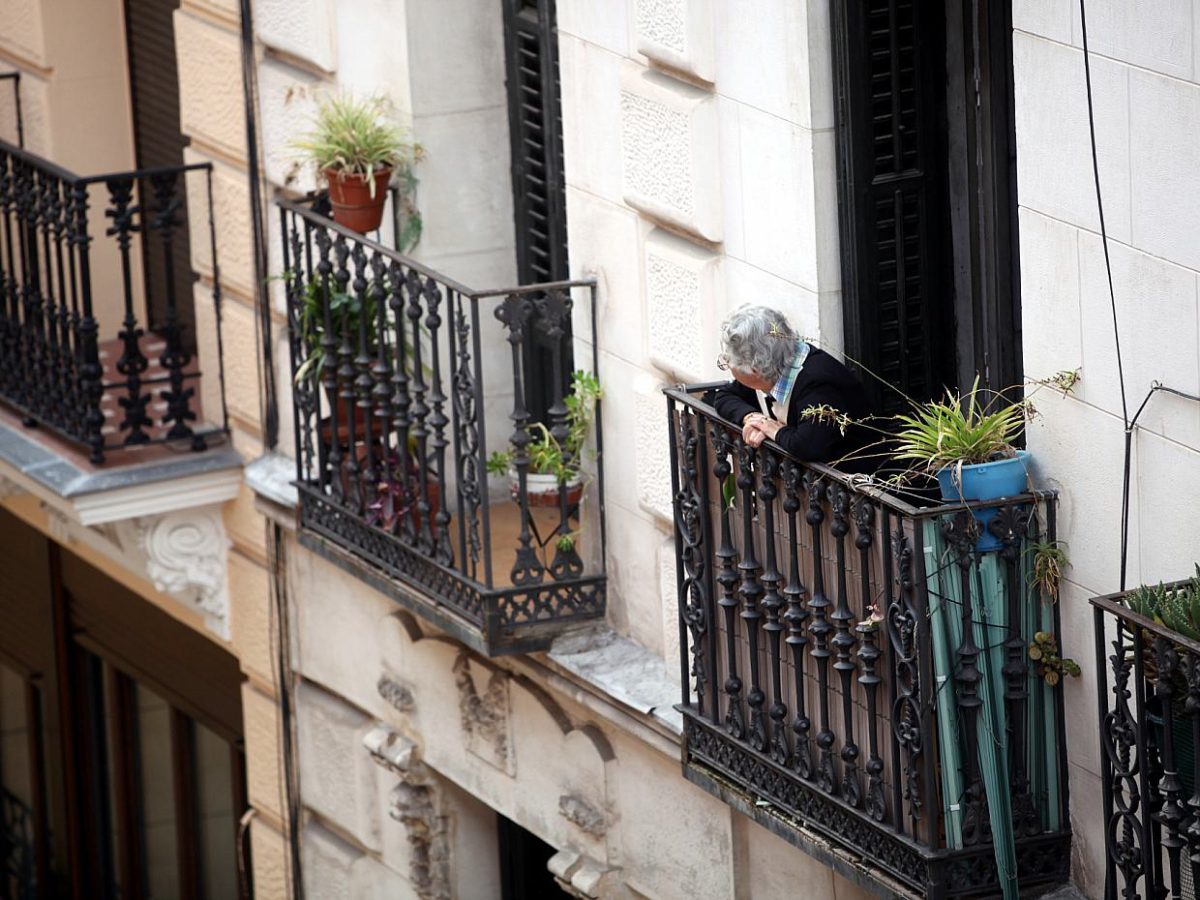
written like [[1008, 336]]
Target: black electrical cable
[[269, 412], [1112, 299], [269, 405]]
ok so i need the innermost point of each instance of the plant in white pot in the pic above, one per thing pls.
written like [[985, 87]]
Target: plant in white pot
[[357, 150], [553, 463]]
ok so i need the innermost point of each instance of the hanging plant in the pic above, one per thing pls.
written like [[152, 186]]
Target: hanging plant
[[1050, 666], [1049, 561]]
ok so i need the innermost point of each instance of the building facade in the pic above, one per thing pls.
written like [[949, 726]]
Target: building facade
[[391, 672]]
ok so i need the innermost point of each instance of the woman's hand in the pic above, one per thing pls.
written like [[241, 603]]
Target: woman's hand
[[757, 428]]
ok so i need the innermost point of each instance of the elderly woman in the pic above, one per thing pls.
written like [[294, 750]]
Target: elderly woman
[[777, 376]]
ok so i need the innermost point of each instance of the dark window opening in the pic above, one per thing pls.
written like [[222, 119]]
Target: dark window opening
[[122, 769], [158, 141], [927, 194], [523, 858]]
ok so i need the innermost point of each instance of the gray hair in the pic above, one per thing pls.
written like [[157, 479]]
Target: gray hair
[[759, 340]]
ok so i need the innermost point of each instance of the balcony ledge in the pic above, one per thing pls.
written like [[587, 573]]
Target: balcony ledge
[[93, 496]]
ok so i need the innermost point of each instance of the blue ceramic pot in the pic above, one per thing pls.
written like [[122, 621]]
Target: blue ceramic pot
[[986, 481]]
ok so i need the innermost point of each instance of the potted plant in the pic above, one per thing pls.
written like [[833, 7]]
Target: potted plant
[[554, 464], [356, 150], [966, 443]]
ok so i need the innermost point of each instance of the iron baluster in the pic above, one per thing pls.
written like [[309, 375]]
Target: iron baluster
[[907, 716], [820, 630], [751, 592], [401, 399], [132, 364], [174, 358], [1011, 526], [1191, 709], [962, 532], [31, 302], [514, 312], [392, 460], [9, 276], [363, 337], [1171, 812], [844, 642], [470, 472], [869, 653], [331, 475], [727, 579], [343, 361], [690, 549], [794, 591], [554, 309], [418, 414], [772, 603], [441, 549], [91, 374]]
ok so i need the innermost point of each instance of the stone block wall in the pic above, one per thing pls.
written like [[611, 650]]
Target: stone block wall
[[700, 176], [1145, 60]]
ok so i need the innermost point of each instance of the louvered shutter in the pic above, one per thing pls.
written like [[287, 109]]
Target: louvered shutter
[[894, 218], [539, 195], [158, 141]]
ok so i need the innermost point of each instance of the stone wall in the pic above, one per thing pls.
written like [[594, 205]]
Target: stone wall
[[1145, 60], [700, 175]]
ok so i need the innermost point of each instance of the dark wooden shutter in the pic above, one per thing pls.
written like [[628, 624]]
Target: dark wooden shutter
[[539, 190], [158, 141], [535, 129], [888, 69]]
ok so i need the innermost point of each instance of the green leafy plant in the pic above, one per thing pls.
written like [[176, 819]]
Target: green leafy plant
[[353, 137], [345, 313], [1051, 667], [547, 455], [961, 429], [1049, 561]]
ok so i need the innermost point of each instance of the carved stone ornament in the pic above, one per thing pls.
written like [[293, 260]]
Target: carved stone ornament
[[416, 804], [582, 814], [485, 719], [9, 489], [183, 554]]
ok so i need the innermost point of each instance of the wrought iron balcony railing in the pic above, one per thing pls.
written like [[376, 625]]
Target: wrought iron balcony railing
[[104, 385], [856, 672], [396, 369], [1149, 767]]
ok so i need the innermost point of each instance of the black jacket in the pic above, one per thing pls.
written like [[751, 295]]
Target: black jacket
[[822, 382]]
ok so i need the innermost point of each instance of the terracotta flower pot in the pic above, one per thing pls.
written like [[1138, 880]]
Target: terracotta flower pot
[[350, 197]]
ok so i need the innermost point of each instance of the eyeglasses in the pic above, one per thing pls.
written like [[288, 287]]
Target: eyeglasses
[[723, 362]]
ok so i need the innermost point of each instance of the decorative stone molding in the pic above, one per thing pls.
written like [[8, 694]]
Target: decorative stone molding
[[678, 34], [581, 876], [399, 696], [485, 719], [582, 814], [416, 805], [669, 151], [682, 284], [183, 554]]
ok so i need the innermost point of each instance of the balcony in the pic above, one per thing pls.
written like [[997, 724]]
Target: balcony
[[856, 671], [401, 379], [1149, 732], [82, 358]]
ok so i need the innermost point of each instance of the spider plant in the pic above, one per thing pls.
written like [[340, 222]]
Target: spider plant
[[961, 429], [353, 137]]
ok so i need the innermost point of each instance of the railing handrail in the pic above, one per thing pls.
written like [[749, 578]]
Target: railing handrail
[[1110, 604], [76, 180], [303, 208], [856, 482]]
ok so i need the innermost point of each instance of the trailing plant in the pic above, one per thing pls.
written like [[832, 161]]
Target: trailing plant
[[1050, 666], [353, 137], [549, 456], [1049, 561]]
